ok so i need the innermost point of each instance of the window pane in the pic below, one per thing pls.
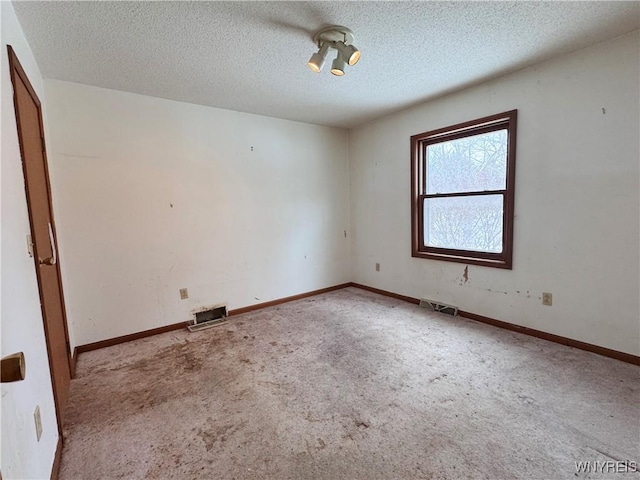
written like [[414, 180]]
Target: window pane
[[469, 164], [464, 223]]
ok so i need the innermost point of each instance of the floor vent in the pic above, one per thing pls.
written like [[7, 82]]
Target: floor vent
[[209, 318], [439, 307]]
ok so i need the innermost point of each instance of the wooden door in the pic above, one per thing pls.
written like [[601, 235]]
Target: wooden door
[[43, 231]]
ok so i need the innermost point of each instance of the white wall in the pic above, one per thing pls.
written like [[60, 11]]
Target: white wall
[[576, 208], [22, 327], [154, 195]]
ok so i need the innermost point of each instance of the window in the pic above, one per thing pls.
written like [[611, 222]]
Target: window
[[462, 191]]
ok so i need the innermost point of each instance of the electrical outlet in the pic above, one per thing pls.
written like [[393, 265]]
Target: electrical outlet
[[38, 420], [377, 267], [547, 298], [184, 293]]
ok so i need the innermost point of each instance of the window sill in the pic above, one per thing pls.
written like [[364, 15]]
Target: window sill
[[452, 257]]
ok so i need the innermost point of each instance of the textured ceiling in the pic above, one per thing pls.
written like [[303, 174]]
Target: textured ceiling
[[251, 56]]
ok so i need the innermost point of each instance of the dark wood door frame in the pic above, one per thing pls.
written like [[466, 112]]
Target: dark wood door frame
[[16, 71]]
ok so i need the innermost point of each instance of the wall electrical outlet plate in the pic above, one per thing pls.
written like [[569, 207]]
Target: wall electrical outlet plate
[[38, 420], [184, 293], [547, 298], [377, 267]]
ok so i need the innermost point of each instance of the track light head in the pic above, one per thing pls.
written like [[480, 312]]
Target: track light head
[[349, 52], [337, 67], [317, 60]]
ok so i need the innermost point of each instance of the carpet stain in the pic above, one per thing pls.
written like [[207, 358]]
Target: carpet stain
[[215, 435]]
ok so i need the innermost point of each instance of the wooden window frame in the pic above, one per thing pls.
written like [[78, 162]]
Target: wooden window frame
[[419, 144]]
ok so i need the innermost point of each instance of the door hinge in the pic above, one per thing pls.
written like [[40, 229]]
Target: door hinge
[[42, 142], [30, 245]]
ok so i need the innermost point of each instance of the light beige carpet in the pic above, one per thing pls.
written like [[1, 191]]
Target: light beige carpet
[[348, 385]]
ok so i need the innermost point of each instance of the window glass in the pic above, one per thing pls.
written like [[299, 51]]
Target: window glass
[[465, 223], [468, 164]]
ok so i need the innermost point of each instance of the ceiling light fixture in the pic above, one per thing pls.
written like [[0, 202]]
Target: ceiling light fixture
[[340, 39]]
